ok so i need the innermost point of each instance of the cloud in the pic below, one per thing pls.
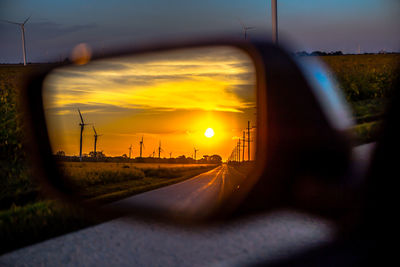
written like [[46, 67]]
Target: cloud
[[187, 81]]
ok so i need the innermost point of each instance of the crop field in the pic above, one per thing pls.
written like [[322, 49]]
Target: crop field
[[106, 181], [28, 216], [365, 77]]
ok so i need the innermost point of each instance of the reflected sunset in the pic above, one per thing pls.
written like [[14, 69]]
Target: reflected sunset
[[180, 101]]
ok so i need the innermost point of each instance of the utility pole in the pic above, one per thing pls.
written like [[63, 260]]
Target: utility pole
[[274, 9], [244, 142], [236, 153], [248, 140], [239, 150]]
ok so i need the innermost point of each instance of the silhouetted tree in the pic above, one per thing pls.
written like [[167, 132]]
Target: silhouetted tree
[[97, 154], [60, 153], [216, 159], [302, 53]]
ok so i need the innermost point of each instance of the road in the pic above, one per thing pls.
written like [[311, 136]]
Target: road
[[129, 242], [195, 198]]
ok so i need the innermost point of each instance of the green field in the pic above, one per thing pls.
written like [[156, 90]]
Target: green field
[[27, 216]]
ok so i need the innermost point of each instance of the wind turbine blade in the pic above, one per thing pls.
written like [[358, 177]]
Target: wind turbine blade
[[7, 21], [26, 20], [95, 133], [241, 23], [80, 116]]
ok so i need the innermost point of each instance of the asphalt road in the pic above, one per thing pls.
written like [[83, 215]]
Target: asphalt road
[[128, 242], [194, 198]]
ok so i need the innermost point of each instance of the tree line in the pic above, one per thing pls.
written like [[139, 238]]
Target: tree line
[[101, 157]]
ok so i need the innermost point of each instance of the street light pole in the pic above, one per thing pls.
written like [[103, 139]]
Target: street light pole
[[274, 9]]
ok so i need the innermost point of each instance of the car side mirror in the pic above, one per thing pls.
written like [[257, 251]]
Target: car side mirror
[[190, 131]]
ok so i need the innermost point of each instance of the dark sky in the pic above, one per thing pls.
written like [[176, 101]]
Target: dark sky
[[326, 25]]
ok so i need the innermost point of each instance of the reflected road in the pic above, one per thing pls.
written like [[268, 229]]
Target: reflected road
[[196, 197]]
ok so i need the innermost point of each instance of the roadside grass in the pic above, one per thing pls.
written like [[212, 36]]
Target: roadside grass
[[103, 182], [84, 174], [366, 132], [369, 110], [122, 190], [24, 225]]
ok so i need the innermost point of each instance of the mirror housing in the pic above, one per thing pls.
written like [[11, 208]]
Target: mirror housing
[[303, 155]]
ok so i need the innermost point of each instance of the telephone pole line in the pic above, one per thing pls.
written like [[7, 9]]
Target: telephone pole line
[[248, 140], [244, 142], [239, 150]]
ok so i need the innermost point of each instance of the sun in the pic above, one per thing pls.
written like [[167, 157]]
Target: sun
[[209, 133]]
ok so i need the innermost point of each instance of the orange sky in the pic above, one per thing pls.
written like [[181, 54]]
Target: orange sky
[[172, 97]]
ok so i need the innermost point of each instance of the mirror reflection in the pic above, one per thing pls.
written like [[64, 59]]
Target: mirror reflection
[[183, 120]]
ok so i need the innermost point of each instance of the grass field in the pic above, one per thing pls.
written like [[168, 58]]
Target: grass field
[[27, 216], [106, 181]]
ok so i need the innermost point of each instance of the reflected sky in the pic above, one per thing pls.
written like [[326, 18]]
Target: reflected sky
[[172, 98]]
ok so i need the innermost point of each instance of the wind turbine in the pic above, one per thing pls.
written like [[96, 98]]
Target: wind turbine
[[141, 146], [245, 29], [22, 25], [82, 124], [160, 150], [130, 151], [95, 139], [195, 151]]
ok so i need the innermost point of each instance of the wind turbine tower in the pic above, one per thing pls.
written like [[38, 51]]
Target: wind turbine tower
[[130, 151], [195, 152], [22, 25], [141, 146], [82, 124], [95, 139], [159, 150]]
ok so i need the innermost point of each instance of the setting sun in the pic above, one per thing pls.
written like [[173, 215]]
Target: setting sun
[[209, 133]]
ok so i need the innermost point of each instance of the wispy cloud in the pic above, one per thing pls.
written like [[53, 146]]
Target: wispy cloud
[[218, 81]]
